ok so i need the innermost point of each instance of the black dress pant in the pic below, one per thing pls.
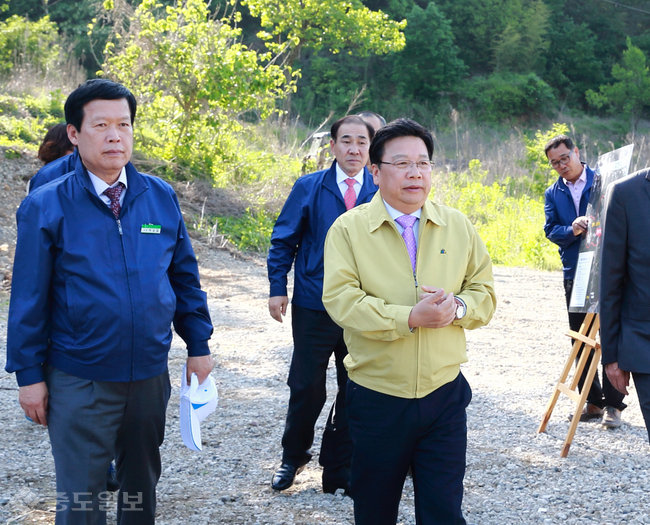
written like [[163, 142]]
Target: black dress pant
[[92, 422], [315, 338], [642, 384], [601, 396], [390, 435]]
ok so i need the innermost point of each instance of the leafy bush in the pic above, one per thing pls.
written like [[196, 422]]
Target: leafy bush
[[541, 174], [25, 44], [25, 120], [511, 227], [506, 96]]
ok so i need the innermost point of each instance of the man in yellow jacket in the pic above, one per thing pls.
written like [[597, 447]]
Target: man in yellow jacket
[[405, 277]]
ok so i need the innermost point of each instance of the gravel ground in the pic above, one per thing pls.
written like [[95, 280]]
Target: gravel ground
[[514, 476]]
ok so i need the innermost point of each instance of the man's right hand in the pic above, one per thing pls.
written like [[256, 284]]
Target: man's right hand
[[33, 399], [278, 307], [434, 310], [580, 225], [620, 379]]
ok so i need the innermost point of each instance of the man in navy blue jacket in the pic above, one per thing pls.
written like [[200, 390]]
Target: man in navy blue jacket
[[565, 209], [103, 267], [313, 205], [53, 170]]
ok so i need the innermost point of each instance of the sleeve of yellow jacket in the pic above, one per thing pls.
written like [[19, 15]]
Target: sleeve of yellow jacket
[[478, 287], [348, 304]]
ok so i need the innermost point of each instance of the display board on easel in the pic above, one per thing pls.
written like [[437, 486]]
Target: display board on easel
[[585, 296], [611, 167]]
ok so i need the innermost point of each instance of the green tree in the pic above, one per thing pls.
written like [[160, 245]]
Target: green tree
[[630, 94], [521, 46], [335, 25], [572, 65], [429, 63], [476, 25], [193, 79]]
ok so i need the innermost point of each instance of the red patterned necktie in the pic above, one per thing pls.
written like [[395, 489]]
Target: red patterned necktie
[[407, 222], [350, 197], [114, 193]]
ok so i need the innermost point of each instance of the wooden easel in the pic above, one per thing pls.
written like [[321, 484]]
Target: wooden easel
[[586, 338]]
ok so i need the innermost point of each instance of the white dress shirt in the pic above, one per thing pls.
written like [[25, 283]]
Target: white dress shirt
[[341, 176], [100, 187]]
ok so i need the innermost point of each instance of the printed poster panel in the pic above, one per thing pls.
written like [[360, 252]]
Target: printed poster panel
[[586, 294]]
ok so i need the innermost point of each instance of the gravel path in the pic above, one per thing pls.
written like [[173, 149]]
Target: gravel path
[[514, 476]]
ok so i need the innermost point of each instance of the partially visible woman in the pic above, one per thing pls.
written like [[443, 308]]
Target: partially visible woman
[[58, 154]]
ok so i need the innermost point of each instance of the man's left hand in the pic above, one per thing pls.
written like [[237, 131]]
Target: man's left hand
[[620, 379], [201, 366]]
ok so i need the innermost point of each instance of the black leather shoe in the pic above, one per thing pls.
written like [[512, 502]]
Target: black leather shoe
[[285, 476]]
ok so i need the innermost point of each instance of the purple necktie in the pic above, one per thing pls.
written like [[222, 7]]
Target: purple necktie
[[114, 193], [407, 222]]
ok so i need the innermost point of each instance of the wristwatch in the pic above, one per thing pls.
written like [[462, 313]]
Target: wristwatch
[[461, 309]]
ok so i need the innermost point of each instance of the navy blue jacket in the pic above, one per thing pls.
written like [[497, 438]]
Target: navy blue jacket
[[95, 297], [313, 205], [53, 170], [560, 213]]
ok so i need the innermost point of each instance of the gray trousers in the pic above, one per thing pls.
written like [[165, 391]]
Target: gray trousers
[[92, 422]]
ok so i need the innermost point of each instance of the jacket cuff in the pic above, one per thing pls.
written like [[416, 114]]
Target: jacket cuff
[[198, 348], [278, 290], [402, 321], [30, 376]]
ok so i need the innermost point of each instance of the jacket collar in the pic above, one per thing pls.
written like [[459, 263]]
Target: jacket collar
[[377, 213], [137, 184], [329, 181]]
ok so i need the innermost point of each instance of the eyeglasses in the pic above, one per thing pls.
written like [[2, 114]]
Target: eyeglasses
[[423, 166], [562, 161]]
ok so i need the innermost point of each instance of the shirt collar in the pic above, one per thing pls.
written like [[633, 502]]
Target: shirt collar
[[341, 175], [582, 178], [100, 186], [394, 214]]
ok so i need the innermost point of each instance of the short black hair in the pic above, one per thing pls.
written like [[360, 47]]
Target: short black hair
[[351, 119], [370, 114], [95, 89], [402, 127], [556, 141]]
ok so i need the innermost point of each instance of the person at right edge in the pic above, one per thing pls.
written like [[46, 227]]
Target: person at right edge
[[565, 208]]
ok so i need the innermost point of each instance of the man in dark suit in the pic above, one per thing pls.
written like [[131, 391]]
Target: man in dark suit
[[315, 202], [625, 287], [565, 208]]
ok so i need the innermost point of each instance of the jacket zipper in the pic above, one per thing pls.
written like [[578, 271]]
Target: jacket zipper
[[417, 346], [128, 283]]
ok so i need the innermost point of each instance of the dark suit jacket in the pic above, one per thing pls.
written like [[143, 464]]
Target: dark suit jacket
[[625, 275]]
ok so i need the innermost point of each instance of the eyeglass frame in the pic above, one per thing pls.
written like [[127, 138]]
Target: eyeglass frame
[[430, 162], [561, 162]]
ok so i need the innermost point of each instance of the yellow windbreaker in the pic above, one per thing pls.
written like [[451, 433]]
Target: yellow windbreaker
[[369, 290]]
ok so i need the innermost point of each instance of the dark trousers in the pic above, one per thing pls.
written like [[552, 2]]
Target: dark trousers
[[92, 422], [601, 396], [315, 338], [391, 434], [642, 384]]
